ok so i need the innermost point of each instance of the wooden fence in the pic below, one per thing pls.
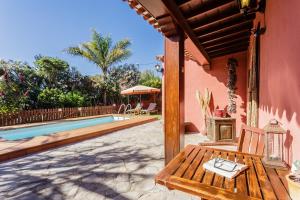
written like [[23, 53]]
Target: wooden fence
[[42, 115]]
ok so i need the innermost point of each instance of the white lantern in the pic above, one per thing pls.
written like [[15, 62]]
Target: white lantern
[[274, 140]]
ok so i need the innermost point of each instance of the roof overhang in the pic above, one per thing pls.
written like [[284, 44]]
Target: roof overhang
[[216, 27]]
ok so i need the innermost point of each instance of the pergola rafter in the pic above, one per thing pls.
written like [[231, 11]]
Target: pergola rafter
[[210, 24]]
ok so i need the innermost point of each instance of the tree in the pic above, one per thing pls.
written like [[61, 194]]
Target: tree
[[53, 70], [148, 78], [19, 86], [120, 78], [101, 51], [125, 76]]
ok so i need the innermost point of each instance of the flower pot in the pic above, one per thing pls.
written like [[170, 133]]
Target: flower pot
[[294, 187], [219, 112]]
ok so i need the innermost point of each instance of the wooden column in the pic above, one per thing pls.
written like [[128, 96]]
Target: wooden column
[[174, 96]]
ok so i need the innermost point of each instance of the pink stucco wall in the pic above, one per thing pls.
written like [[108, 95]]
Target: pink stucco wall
[[280, 71], [215, 79]]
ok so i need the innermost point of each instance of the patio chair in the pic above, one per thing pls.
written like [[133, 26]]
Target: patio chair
[[135, 110], [151, 109], [251, 141]]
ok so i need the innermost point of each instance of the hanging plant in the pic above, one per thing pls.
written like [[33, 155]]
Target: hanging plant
[[231, 84]]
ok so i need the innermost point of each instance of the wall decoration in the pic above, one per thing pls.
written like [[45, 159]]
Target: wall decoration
[[204, 101], [231, 84]]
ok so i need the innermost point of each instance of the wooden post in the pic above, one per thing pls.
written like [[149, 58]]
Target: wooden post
[[174, 96]]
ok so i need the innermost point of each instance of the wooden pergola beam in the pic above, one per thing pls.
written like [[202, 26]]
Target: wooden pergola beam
[[214, 15], [223, 23], [223, 53], [181, 2], [228, 47], [194, 8], [181, 21], [163, 20], [227, 42], [247, 25], [228, 37]]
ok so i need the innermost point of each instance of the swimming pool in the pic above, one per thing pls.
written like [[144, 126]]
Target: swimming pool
[[30, 132]]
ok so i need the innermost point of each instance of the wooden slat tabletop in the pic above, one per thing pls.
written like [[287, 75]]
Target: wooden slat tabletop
[[185, 173]]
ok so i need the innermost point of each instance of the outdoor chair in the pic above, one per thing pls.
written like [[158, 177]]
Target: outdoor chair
[[251, 141], [151, 109], [135, 110]]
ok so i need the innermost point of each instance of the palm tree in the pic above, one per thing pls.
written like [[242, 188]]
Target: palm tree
[[101, 51]]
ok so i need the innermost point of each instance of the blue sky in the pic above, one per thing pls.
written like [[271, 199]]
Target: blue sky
[[31, 27]]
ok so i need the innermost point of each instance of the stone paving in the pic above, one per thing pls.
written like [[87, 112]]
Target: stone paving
[[120, 166]]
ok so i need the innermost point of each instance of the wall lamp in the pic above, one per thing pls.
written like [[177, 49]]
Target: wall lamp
[[251, 6], [159, 68]]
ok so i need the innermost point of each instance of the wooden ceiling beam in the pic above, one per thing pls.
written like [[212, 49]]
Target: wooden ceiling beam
[[227, 42], [165, 20], [167, 28], [139, 9], [195, 8], [225, 35], [181, 2], [181, 21], [223, 23], [232, 36], [132, 3], [152, 20], [147, 14], [214, 15], [226, 31], [170, 33], [223, 53], [157, 10], [225, 47], [228, 49]]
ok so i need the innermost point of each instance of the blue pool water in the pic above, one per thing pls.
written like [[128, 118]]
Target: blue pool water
[[22, 133]]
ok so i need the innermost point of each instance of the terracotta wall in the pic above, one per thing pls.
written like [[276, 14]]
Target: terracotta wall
[[215, 79], [280, 71]]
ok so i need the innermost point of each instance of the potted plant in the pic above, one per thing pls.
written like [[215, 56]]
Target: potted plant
[[204, 101], [293, 180]]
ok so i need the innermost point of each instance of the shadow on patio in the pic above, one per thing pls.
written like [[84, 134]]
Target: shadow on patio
[[94, 169]]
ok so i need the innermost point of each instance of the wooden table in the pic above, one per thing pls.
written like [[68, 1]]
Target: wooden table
[[185, 173]]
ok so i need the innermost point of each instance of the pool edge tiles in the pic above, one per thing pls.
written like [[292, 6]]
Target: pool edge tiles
[[53, 128], [42, 143], [28, 125]]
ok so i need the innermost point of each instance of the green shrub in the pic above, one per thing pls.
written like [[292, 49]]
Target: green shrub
[[50, 98], [55, 98], [72, 99]]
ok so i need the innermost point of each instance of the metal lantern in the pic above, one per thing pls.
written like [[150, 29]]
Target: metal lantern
[[251, 6], [274, 140], [159, 68]]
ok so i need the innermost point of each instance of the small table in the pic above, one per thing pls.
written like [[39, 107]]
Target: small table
[[185, 173], [221, 129]]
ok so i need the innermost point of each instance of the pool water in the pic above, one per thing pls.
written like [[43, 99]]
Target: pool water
[[29, 132]]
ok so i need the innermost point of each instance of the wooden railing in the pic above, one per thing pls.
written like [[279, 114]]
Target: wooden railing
[[42, 115]]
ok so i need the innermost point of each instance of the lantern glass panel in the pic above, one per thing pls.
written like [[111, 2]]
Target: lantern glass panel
[[245, 3], [274, 147]]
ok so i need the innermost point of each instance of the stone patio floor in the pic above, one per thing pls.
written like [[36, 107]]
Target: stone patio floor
[[120, 165]]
